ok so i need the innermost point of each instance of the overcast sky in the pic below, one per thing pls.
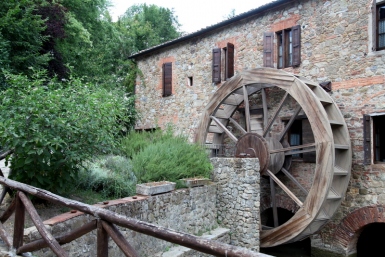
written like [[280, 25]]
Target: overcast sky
[[193, 15]]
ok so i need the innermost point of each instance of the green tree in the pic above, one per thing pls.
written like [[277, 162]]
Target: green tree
[[149, 25], [54, 126], [21, 36]]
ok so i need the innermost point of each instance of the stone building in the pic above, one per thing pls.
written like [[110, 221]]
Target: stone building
[[339, 44]]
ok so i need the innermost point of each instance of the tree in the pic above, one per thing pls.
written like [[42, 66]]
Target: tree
[[53, 127], [149, 25], [21, 37]]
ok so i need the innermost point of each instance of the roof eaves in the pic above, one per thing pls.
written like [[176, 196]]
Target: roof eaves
[[208, 29]]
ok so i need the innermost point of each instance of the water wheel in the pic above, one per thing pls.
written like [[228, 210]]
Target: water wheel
[[256, 110]]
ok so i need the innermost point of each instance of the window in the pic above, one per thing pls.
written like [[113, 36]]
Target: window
[[300, 133], [190, 81], [374, 138], [228, 52], [380, 28], [167, 79], [288, 48]]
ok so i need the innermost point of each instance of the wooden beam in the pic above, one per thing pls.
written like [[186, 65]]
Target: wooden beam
[[48, 238], [4, 236], [286, 149], [287, 173], [247, 108], [9, 211], [102, 240], [194, 242], [267, 128], [18, 228], [284, 188], [236, 124], [64, 239], [119, 239], [264, 104], [220, 124], [273, 202], [288, 125]]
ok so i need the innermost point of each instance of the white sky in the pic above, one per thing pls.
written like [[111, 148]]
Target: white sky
[[193, 15]]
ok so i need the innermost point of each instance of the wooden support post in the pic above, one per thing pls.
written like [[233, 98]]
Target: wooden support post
[[8, 212], [64, 239], [102, 240], [51, 241], [18, 231], [119, 239], [4, 235], [203, 245]]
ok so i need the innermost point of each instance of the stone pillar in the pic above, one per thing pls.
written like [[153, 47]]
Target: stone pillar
[[238, 194]]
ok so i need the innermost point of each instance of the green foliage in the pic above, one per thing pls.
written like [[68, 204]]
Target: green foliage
[[135, 142], [54, 126], [149, 25], [21, 36], [171, 158], [111, 176]]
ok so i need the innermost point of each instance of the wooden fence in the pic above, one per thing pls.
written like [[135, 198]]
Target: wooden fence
[[105, 223]]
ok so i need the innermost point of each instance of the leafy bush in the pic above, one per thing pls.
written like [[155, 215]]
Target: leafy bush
[[54, 126], [171, 158], [135, 141], [111, 176]]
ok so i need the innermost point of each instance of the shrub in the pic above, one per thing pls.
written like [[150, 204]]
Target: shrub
[[54, 126], [171, 158], [135, 141], [111, 176]]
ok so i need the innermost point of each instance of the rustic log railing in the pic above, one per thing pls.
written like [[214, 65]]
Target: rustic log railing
[[105, 223]]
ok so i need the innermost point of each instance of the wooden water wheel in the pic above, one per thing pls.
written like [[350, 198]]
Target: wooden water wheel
[[256, 110]]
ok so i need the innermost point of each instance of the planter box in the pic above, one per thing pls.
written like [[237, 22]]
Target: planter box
[[154, 188], [195, 182]]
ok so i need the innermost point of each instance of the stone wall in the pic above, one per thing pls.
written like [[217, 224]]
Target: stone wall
[[192, 211], [238, 203], [231, 202], [336, 46]]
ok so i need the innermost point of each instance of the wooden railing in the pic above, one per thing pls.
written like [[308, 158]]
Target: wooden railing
[[105, 223]]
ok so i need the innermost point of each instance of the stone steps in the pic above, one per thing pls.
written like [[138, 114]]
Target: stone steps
[[220, 234]]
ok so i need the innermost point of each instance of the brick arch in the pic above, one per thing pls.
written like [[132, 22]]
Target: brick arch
[[282, 201], [347, 233]]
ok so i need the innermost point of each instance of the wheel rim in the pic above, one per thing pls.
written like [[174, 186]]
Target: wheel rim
[[331, 139]]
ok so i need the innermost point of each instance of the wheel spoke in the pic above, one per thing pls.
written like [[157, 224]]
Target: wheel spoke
[[236, 124], [274, 203], [220, 124], [284, 188], [264, 105], [247, 108], [267, 128], [288, 125], [286, 172], [290, 151]]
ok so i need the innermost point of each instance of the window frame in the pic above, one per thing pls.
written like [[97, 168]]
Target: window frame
[[292, 48], [227, 63], [371, 149], [377, 20]]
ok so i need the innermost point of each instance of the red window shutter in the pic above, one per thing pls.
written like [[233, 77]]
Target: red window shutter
[[216, 65], [268, 49], [167, 79], [367, 140], [229, 61], [296, 34]]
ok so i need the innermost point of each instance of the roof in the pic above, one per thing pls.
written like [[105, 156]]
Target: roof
[[209, 29]]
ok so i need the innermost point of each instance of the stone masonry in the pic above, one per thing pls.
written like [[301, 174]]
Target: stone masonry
[[337, 45], [227, 210], [238, 199]]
